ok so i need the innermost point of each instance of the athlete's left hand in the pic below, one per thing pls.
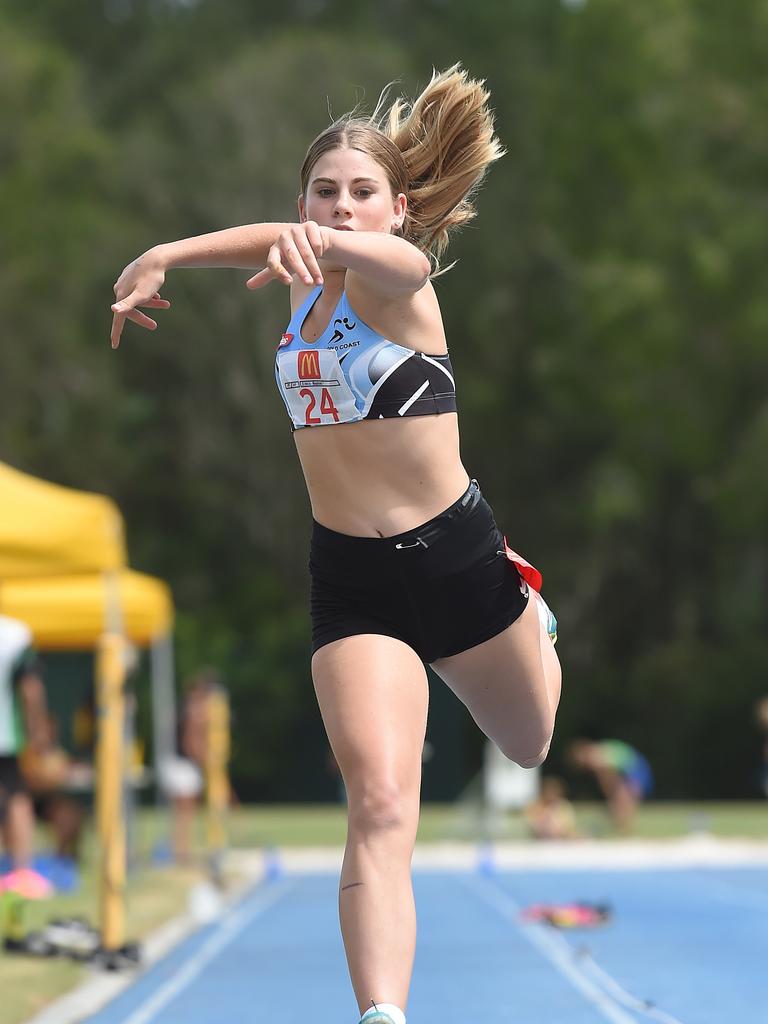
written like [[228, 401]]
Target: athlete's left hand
[[295, 252]]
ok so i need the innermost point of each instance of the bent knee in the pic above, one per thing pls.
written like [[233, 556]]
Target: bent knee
[[525, 755], [539, 759]]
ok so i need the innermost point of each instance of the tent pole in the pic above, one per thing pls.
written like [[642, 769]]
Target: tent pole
[[110, 679], [163, 708]]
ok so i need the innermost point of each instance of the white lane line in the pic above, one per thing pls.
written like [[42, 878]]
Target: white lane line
[[639, 1005], [539, 937], [227, 931]]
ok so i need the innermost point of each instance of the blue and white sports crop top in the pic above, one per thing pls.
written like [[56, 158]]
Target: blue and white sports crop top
[[351, 373]]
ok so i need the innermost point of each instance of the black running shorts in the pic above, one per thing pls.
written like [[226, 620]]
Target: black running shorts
[[441, 588]]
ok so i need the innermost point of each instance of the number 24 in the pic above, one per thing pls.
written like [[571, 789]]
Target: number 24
[[326, 406]]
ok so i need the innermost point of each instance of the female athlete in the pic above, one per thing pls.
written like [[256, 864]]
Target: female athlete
[[407, 564]]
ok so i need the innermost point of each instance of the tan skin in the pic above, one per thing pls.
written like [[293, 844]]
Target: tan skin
[[19, 824], [621, 797], [376, 478], [550, 816], [194, 734]]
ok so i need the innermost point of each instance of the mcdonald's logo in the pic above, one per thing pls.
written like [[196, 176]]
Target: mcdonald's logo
[[309, 365]]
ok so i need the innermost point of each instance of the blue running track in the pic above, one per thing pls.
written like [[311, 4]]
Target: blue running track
[[693, 941]]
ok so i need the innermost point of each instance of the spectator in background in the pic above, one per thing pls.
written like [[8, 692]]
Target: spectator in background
[[23, 721], [183, 777], [623, 774], [47, 775], [551, 815]]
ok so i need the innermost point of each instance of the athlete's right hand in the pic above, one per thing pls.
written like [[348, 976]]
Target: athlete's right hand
[[296, 251], [138, 285]]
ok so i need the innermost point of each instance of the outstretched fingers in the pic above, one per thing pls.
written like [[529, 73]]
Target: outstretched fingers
[[275, 270], [126, 309], [259, 280], [141, 319], [137, 298], [118, 322]]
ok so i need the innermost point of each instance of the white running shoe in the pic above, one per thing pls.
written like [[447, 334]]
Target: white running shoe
[[378, 1015]]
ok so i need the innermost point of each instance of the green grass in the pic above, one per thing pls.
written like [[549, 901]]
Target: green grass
[[28, 984], [325, 825], [157, 894], [675, 820], [154, 896]]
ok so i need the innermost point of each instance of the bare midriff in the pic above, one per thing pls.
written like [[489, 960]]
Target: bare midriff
[[378, 478]]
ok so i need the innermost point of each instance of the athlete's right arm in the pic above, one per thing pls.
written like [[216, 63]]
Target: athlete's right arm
[[139, 284]]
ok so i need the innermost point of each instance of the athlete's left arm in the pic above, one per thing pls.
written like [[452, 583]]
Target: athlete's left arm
[[387, 264]]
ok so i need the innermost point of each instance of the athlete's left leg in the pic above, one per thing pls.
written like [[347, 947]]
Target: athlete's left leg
[[511, 686]]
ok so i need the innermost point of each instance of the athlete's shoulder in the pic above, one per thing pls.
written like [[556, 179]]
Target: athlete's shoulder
[[368, 301], [412, 319]]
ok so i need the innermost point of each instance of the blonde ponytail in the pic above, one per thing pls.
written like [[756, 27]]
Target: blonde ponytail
[[436, 150], [447, 141]]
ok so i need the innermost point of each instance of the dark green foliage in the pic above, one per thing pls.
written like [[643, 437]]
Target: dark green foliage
[[607, 321]]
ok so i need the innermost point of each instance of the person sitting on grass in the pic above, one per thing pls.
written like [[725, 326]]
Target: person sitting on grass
[[550, 815], [48, 772]]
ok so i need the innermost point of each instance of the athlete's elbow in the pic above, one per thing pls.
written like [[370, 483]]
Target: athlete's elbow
[[416, 274], [423, 271]]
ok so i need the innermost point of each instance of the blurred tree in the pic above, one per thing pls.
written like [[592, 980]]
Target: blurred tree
[[606, 321]]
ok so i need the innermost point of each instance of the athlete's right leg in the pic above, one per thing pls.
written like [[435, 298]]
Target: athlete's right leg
[[373, 696]]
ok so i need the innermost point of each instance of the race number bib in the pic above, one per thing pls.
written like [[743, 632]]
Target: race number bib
[[315, 389]]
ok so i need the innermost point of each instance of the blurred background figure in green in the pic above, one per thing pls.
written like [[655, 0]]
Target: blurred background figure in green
[[622, 773]]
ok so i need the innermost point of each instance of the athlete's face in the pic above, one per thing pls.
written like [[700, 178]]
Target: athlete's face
[[348, 189]]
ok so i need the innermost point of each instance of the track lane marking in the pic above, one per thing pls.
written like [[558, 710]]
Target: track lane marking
[[538, 937], [229, 929]]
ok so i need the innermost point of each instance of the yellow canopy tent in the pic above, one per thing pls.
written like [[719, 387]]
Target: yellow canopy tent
[[46, 531], [69, 612]]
